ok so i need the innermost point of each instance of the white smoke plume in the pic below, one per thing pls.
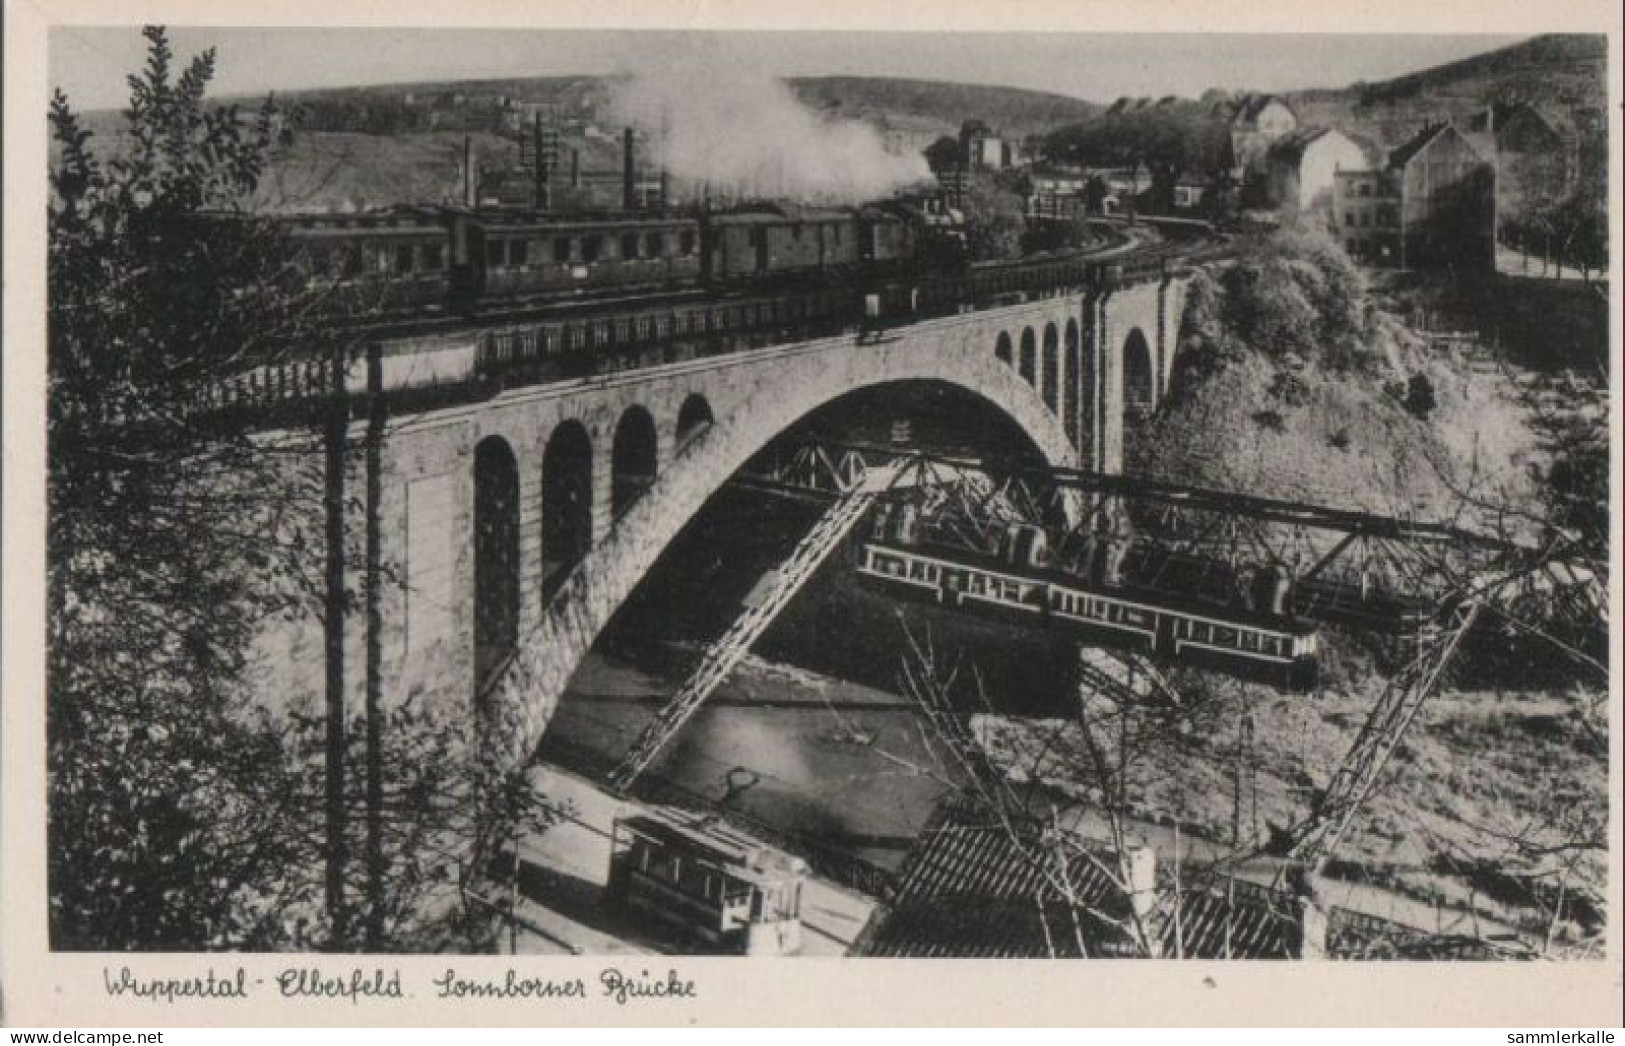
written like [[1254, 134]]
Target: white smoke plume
[[731, 133]]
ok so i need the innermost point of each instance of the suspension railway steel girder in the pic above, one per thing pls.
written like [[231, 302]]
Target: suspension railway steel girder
[[721, 656], [1347, 563], [1176, 498], [1314, 840]]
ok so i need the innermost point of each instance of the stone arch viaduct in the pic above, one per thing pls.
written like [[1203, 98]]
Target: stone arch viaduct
[[513, 527]]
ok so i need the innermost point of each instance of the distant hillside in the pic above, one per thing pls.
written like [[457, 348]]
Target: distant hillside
[[925, 106], [944, 105], [1559, 73]]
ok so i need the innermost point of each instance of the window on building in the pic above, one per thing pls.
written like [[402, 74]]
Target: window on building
[[1348, 219], [561, 249], [403, 259], [654, 245], [687, 242], [432, 258], [629, 245], [496, 253], [518, 252], [1365, 188], [591, 248], [350, 261]]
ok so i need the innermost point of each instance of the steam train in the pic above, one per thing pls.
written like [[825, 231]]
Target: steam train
[[428, 258], [1088, 593], [561, 296]]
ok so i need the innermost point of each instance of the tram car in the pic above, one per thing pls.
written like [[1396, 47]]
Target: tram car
[[712, 888], [1089, 596]]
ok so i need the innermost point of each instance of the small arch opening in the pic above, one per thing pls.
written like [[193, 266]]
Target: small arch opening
[[566, 503], [693, 418], [1051, 377], [1139, 380], [1071, 381], [1028, 366], [632, 460], [496, 559]]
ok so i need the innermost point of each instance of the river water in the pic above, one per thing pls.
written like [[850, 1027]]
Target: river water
[[810, 734]]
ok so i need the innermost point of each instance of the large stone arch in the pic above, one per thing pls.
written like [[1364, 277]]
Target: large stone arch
[[803, 382]]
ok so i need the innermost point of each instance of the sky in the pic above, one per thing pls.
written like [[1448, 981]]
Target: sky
[[90, 63]]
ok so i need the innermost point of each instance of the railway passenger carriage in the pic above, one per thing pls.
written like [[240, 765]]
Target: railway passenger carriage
[[518, 254], [385, 261]]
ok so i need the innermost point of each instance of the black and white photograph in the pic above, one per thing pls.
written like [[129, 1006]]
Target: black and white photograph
[[657, 493]]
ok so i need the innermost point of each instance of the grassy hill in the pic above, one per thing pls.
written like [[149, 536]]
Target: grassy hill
[[922, 105], [1560, 73], [942, 104]]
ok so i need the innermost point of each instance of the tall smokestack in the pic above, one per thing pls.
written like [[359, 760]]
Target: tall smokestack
[[544, 165], [629, 171], [575, 168], [665, 155], [470, 175]]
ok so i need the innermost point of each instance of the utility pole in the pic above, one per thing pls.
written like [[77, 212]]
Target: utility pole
[[336, 439], [374, 439]]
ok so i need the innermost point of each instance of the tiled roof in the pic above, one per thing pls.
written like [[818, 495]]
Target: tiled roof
[[1248, 108], [1423, 138], [1291, 146]]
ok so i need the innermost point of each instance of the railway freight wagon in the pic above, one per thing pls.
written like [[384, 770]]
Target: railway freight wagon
[[884, 238], [768, 242]]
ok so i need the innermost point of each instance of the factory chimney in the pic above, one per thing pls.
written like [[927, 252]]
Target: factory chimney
[[629, 171], [470, 175]]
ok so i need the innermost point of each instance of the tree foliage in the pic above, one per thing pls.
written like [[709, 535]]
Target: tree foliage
[[995, 218], [1172, 139], [183, 814], [1294, 296], [164, 788]]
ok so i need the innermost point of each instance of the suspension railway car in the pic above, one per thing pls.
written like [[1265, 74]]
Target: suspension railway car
[[1020, 585], [707, 885]]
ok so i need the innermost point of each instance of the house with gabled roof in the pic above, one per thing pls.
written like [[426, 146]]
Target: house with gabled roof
[[1433, 204], [1258, 122], [1302, 167]]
